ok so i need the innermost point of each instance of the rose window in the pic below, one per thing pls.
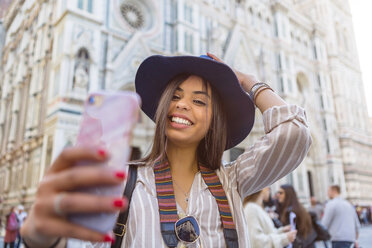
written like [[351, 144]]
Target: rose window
[[132, 15]]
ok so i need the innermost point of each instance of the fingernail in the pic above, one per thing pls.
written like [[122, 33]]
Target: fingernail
[[119, 203], [120, 174], [108, 238], [102, 152]]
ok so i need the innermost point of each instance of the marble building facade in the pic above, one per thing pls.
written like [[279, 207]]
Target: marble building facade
[[56, 51]]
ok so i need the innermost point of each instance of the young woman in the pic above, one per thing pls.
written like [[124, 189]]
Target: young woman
[[201, 108], [288, 202], [262, 232]]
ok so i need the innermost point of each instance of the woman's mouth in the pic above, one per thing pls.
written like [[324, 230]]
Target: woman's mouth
[[180, 120]]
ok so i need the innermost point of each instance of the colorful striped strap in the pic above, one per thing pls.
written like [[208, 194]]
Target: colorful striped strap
[[168, 207], [166, 202], [215, 187]]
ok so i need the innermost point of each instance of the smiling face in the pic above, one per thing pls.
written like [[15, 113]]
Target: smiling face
[[190, 112]]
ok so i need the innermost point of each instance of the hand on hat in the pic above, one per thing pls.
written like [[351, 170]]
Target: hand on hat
[[246, 80]]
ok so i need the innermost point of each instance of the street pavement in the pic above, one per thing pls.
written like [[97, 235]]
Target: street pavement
[[365, 238]]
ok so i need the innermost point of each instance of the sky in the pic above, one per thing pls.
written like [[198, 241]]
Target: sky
[[361, 11]]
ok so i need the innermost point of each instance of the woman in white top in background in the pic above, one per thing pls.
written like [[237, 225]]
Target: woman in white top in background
[[262, 232]]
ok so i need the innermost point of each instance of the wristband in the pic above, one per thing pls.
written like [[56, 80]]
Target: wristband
[[255, 89], [259, 92]]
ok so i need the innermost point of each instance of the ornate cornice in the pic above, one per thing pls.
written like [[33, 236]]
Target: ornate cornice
[[24, 148], [12, 12], [281, 5]]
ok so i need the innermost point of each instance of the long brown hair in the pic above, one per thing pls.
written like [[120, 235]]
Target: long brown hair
[[210, 148], [291, 203]]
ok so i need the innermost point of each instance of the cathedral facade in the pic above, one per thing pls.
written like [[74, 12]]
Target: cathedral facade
[[56, 51]]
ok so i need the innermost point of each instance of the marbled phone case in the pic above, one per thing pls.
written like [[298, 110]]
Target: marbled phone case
[[108, 120]]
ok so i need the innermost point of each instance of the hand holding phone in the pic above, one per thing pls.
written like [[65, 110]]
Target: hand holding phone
[[108, 120], [69, 186]]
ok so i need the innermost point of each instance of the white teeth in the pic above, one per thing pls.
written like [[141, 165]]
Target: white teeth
[[181, 121]]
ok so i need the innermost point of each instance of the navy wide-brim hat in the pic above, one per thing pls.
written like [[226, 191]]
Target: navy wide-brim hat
[[156, 71]]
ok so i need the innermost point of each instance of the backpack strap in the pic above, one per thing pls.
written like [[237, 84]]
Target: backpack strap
[[120, 227], [166, 202], [215, 187]]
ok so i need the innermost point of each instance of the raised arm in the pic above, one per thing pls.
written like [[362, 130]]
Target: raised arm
[[283, 147], [277, 153]]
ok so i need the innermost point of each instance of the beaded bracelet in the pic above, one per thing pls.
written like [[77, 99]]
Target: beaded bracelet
[[259, 91], [257, 88], [52, 246]]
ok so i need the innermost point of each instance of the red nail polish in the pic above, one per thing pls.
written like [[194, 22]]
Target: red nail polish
[[102, 152], [120, 174], [108, 238], [118, 203]]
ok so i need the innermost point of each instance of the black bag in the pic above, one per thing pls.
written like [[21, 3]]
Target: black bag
[[120, 227], [321, 231], [307, 242]]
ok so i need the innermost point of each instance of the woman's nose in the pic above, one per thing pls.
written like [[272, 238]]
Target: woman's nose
[[182, 105]]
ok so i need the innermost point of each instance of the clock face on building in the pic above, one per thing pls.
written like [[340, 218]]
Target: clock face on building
[[133, 15]]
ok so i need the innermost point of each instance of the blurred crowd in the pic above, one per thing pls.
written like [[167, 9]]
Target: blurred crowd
[[280, 220], [364, 214]]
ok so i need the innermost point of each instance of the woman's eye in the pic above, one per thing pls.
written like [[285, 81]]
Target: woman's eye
[[200, 102], [175, 97]]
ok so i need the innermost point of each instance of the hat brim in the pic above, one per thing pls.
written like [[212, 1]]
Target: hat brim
[[156, 71]]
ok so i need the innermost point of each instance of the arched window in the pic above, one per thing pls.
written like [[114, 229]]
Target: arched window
[[302, 84]]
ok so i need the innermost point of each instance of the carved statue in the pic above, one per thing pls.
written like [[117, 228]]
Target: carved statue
[[81, 74], [81, 78]]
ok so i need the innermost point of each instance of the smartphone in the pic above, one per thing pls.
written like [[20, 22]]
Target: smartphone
[[108, 121], [292, 223]]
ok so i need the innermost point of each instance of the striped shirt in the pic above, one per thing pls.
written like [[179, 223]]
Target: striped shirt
[[282, 148]]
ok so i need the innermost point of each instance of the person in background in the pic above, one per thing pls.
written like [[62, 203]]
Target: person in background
[[288, 202], [11, 229], [341, 220], [358, 210], [316, 208], [21, 216], [262, 232], [364, 216], [271, 207]]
